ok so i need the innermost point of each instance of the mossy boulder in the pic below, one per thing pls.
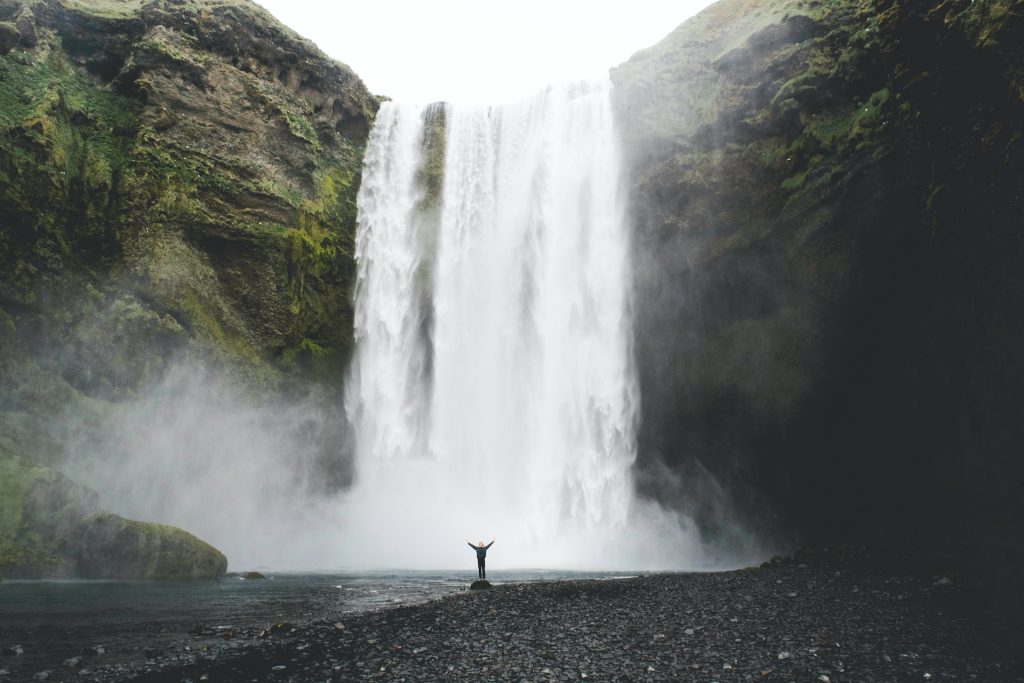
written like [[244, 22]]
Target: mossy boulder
[[50, 526], [113, 547]]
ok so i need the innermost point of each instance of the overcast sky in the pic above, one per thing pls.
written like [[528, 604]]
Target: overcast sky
[[479, 50]]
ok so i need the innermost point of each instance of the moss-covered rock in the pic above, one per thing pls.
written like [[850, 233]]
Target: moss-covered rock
[[177, 185], [830, 293], [113, 547], [198, 160], [50, 526]]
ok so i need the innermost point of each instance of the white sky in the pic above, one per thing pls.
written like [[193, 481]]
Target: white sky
[[479, 50]]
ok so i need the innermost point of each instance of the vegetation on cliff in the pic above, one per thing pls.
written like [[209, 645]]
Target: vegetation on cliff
[[187, 170], [828, 206], [177, 185]]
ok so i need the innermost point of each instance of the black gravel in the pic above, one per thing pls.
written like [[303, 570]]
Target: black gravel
[[815, 618]]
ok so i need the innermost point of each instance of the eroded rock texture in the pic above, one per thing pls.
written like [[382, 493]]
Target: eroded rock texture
[[829, 261]]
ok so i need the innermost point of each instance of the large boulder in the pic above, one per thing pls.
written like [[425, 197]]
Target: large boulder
[[52, 527]]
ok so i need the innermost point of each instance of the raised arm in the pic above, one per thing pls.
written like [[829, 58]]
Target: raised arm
[[471, 545], [489, 544]]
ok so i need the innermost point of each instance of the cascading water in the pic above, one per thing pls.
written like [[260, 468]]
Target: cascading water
[[492, 389]]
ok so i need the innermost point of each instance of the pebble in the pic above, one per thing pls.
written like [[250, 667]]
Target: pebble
[[615, 630]]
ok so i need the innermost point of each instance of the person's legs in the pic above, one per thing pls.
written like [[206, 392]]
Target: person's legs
[[483, 568], [480, 567]]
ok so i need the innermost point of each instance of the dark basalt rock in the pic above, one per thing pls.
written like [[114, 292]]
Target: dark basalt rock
[[830, 299], [480, 584], [253, 575]]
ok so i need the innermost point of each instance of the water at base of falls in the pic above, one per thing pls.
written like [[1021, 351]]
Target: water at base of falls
[[492, 391]]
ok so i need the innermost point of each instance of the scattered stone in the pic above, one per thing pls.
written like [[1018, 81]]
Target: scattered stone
[[617, 630], [72, 662]]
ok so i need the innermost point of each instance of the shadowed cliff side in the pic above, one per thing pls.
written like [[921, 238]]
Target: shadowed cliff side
[[177, 188], [829, 268]]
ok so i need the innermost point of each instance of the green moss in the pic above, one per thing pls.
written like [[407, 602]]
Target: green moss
[[794, 181], [105, 9], [16, 481]]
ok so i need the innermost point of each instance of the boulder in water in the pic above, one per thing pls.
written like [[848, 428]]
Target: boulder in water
[[480, 584], [253, 575]]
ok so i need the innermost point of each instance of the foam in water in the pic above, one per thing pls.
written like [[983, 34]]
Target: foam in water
[[493, 391]]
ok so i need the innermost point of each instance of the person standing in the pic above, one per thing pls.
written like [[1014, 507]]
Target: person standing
[[481, 556]]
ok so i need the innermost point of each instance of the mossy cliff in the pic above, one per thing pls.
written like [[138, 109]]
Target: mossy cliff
[[184, 172], [177, 185], [830, 266]]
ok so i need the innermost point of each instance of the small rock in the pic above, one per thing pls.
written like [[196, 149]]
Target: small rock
[[824, 679], [41, 675], [650, 669], [279, 667], [253, 575], [944, 581], [688, 631], [784, 655], [338, 625], [72, 662]]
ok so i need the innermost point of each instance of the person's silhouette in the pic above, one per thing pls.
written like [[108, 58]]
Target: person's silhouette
[[481, 556]]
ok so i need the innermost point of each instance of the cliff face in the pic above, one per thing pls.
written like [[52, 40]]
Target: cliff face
[[177, 185], [829, 262], [182, 174]]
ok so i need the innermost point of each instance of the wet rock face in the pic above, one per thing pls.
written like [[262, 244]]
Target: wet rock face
[[198, 158], [828, 251], [177, 187]]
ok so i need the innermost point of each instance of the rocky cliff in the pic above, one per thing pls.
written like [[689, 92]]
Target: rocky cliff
[[830, 268], [177, 185]]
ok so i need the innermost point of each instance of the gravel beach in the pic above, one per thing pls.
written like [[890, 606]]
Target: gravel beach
[[814, 618]]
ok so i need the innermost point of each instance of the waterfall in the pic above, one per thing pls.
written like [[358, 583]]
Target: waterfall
[[492, 391]]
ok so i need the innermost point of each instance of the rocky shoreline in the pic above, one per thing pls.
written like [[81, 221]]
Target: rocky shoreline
[[829, 616]]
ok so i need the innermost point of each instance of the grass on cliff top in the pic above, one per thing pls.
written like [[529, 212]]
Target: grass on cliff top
[[126, 9]]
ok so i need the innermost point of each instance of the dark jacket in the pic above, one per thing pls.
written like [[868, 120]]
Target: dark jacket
[[481, 553]]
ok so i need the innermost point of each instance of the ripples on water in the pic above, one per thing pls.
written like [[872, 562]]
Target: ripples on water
[[56, 620]]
